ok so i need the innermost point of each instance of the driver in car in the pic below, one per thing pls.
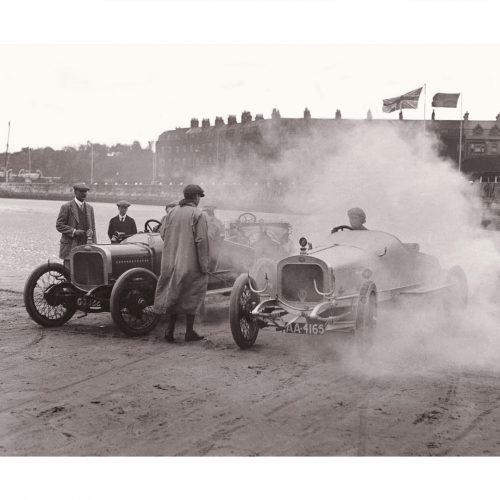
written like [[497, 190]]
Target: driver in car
[[357, 218]]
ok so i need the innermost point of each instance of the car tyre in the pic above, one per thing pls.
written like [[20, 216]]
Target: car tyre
[[244, 328], [366, 316], [131, 302], [457, 294], [35, 300]]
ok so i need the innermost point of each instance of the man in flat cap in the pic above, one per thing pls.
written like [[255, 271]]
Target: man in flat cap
[[76, 223], [357, 218], [121, 225], [183, 277]]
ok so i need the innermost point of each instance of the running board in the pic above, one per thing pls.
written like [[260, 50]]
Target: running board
[[217, 291], [423, 290]]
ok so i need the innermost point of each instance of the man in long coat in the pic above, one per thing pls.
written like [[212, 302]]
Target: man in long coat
[[183, 277], [76, 223]]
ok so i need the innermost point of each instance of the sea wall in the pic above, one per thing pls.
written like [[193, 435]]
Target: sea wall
[[141, 194]]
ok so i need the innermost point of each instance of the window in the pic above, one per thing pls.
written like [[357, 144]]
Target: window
[[477, 148], [494, 147]]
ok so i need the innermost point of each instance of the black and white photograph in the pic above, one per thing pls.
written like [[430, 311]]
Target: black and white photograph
[[267, 233]]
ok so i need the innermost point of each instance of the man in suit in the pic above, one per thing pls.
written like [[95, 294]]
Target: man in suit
[[76, 223], [122, 223]]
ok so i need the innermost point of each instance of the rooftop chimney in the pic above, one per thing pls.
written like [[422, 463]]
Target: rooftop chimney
[[205, 123], [246, 117], [194, 122], [259, 116], [231, 120], [219, 121]]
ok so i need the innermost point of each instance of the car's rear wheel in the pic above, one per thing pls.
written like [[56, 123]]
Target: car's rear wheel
[[46, 308], [131, 302], [366, 315], [244, 327], [457, 293]]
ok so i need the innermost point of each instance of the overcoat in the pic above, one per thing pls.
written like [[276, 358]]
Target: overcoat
[[67, 221], [183, 277]]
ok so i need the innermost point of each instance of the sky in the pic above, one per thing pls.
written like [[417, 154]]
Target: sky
[[83, 76]]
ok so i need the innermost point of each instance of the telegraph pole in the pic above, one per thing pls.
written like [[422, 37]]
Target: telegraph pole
[[91, 162], [7, 152]]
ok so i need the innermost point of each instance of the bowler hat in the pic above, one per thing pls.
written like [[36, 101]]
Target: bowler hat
[[192, 189], [81, 187], [123, 203]]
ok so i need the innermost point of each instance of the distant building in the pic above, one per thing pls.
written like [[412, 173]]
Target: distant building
[[251, 145]]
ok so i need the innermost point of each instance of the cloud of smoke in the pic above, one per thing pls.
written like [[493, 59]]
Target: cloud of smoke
[[394, 172]]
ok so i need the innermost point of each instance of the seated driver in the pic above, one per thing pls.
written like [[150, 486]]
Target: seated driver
[[357, 218]]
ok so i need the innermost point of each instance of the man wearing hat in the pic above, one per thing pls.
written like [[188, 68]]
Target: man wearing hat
[[357, 218], [122, 223], [183, 277], [76, 223]]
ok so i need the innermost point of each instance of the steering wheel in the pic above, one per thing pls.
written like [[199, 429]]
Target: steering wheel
[[341, 228], [148, 228], [247, 217]]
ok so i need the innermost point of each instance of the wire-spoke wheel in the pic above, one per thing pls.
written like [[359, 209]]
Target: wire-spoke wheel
[[366, 316], [132, 300], [48, 295], [244, 327]]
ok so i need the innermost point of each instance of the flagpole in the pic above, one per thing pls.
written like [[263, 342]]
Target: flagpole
[[7, 152], [425, 98], [460, 140]]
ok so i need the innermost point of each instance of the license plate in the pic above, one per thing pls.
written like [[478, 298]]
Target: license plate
[[305, 328]]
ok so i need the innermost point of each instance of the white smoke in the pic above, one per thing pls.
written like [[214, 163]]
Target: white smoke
[[396, 175]]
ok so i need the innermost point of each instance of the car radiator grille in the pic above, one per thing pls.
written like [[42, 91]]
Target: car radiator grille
[[297, 282], [88, 268]]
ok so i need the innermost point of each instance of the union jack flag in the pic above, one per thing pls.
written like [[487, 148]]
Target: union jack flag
[[405, 101]]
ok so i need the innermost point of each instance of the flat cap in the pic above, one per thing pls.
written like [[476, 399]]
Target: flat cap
[[192, 189], [81, 186], [123, 203]]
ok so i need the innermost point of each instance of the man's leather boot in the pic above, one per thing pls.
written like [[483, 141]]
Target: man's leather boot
[[191, 335], [169, 333]]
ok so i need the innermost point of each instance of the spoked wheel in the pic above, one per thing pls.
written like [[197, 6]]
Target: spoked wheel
[[131, 302], [244, 327], [366, 316], [456, 295], [48, 295]]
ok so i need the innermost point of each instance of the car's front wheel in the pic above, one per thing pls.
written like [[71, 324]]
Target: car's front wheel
[[48, 295], [131, 302], [244, 327]]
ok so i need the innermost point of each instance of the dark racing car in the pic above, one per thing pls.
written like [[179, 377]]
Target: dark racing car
[[121, 278]]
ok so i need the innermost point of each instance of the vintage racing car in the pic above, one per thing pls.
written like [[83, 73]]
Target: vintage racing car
[[121, 278], [338, 286]]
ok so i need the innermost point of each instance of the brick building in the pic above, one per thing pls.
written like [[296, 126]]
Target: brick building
[[220, 148]]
